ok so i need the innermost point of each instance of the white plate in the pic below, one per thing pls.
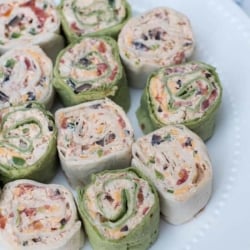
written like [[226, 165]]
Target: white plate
[[223, 39]]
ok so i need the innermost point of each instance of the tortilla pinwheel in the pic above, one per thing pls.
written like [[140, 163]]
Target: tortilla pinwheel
[[157, 38], [120, 210], [95, 17], [188, 94], [177, 162], [90, 70], [27, 143], [39, 216], [26, 75], [93, 136], [26, 22]]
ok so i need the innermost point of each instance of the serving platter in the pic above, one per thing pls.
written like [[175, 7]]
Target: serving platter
[[222, 34]]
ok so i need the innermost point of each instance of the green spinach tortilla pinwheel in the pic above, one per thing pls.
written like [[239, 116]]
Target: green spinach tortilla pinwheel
[[90, 70], [26, 75], [39, 216], [94, 17], [177, 162], [93, 136], [27, 143], [157, 38], [189, 94], [120, 210], [30, 22]]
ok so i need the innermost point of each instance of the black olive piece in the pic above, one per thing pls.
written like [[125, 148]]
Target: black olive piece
[[25, 243], [208, 75], [156, 140], [57, 192], [100, 142], [85, 62], [6, 78], [188, 142], [110, 138], [3, 97], [96, 106], [71, 83], [14, 21], [124, 229], [63, 222], [28, 106], [140, 46], [31, 96], [84, 87]]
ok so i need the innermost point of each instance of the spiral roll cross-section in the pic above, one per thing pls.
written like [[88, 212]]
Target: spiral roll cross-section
[[39, 216], [30, 22], [26, 75], [188, 94], [120, 210], [177, 162], [89, 70], [154, 39], [93, 136], [94, 17], [27, 143]]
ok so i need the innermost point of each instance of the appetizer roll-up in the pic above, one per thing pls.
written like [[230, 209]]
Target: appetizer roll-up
[[27, 143], [25, 75], [189, 94], [120, 210], [177, 162], [93, 136], [90, 70], [94, 17], [160, 37], [38, 216], [30, 22]]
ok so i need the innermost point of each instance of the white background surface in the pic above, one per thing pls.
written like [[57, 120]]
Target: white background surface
[[222, 33]]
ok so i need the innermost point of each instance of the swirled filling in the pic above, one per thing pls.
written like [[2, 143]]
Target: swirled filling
[[25, 19], [160, 37], [117, 202], [33, 215], [90, 16], [88, 65], [92, 131], [175, 160], [25, 136], [25, 75], [183, 92]]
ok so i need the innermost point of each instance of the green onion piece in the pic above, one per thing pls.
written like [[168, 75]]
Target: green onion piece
[[170, 191], [18, 161], [159, 175], [10, 63], [15, 35], [100, 152]]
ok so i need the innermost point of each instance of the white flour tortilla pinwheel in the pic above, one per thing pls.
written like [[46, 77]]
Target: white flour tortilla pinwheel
[[38, 216], [177, 162], [30, 22], [157, 38], [93, 136], [26, 75]]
